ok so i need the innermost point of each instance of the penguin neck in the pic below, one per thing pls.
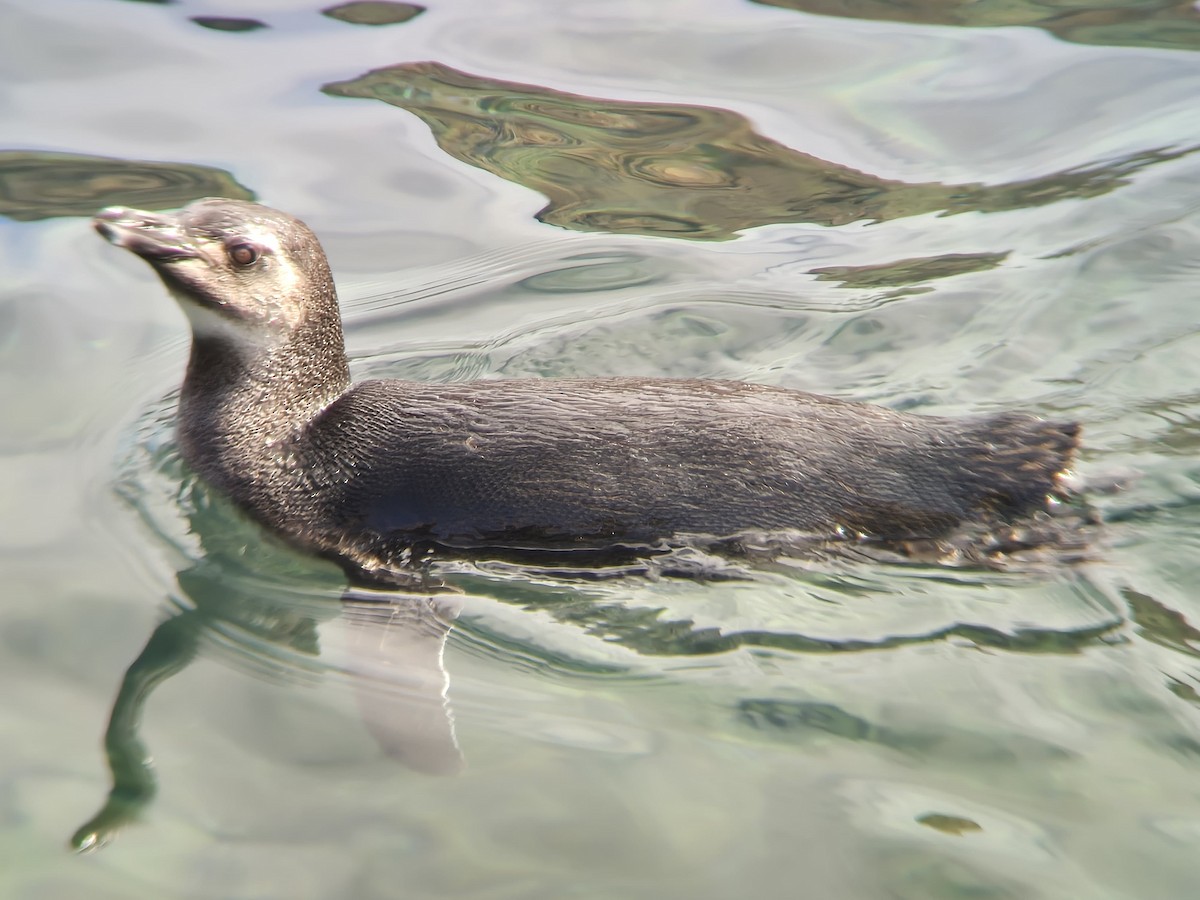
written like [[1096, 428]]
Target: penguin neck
[[242, 397]]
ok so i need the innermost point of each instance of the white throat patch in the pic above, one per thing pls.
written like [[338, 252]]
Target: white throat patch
[[207, 322]]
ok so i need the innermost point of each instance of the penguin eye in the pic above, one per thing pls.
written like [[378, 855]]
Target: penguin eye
[[243, 254]]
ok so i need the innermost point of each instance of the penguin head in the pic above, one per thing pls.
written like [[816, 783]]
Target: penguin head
[[238, 269]]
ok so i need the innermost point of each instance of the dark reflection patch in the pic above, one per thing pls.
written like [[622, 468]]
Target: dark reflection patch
[[223, 23], [955, 825], [374, 12], [796, 714], [591, 272], [692, 172], [36, 185], [909, 271], [1167, 24], [1159, 623]]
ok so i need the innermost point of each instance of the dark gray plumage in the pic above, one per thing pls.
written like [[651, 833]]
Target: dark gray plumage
[[363, 473]]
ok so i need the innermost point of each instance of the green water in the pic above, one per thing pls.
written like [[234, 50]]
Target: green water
[[951, 208]]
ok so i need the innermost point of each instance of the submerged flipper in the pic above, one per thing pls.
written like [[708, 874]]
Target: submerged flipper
[[396, 645]]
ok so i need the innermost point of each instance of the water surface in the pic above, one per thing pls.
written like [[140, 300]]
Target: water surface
[[948, 208]]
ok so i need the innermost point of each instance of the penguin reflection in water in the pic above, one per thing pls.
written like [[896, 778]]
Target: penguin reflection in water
[[269, 612], [583, 472]]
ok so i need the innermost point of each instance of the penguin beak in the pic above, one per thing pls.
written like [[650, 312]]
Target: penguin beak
[[155, 237]]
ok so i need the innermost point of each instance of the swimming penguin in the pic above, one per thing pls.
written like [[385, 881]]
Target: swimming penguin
[[367, 473]]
